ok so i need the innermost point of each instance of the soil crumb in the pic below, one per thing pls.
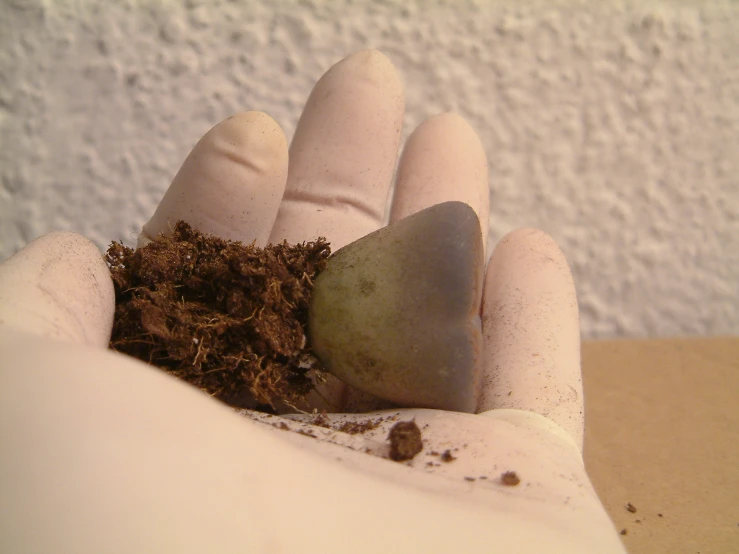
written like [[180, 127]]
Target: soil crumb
[[510, 479], [349, 427], [405, 440], [357, 427], [631, 508], [321, 420], [624, 531], [226, 317], [447, 456]]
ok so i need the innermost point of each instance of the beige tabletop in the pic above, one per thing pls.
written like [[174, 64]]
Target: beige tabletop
[[662, 433]]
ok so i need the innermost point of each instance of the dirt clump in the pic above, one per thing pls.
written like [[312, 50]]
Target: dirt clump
[[226, 317], [510, 479], [405, 441]]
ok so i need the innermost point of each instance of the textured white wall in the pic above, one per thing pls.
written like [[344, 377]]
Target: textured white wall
[[612, 126]]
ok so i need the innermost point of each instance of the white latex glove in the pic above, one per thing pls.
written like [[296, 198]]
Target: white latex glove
[[102, 453]]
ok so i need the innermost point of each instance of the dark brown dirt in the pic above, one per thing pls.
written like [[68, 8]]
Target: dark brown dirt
[[321, 420], [350, 427], [447, 456], [405, 441], [510, 479], [226, 317], [630, 508], [357, 427]]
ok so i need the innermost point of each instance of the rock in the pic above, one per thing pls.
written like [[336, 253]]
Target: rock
[[396, 313]]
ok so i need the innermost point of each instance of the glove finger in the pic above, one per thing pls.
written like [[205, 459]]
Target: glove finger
[[344, 153], [231, 183], [342, 160], [531, 332], [58, 287], [442, 160]]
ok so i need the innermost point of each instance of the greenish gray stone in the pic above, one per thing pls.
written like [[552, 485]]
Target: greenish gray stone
[[396, 313]]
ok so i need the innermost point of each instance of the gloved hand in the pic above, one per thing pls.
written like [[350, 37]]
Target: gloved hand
[[102, 453]]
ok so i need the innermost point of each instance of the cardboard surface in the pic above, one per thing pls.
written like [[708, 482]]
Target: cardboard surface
[[662, 433]]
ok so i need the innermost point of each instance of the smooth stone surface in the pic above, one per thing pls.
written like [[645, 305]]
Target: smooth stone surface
[[396, 313]]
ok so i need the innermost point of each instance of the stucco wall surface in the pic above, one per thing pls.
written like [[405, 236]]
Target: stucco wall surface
[[614, 126]]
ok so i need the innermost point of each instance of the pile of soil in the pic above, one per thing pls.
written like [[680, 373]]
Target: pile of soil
[[226, 317]]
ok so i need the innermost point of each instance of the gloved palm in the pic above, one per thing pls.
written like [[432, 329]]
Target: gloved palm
[[102, 453]]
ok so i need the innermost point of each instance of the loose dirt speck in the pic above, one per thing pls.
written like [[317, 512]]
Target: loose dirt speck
[[510, 479], [447, 456]]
